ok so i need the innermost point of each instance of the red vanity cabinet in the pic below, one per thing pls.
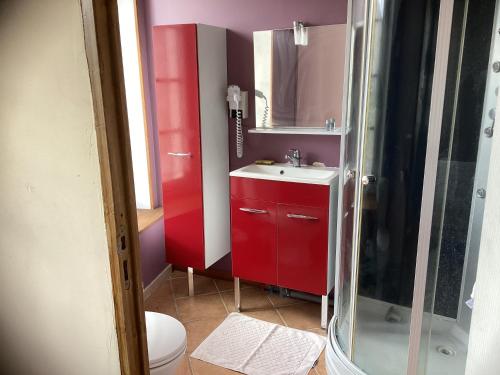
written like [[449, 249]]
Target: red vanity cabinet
[[302, 248], [280, 233], [254, 238]]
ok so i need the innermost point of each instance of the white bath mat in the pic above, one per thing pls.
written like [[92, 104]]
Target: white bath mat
[[255, 347]]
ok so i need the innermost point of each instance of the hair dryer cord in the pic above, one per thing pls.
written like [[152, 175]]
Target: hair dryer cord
[[239, 135]]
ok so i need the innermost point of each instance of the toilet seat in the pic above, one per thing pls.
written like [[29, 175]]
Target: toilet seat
[[166, 338]]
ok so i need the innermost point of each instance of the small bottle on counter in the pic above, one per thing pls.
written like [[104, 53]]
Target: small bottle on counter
[[330, 124]]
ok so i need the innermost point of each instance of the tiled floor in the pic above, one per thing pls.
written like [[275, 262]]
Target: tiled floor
[[214, 300]]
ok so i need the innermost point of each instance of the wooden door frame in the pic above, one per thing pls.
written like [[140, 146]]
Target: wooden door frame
[[103, 52]]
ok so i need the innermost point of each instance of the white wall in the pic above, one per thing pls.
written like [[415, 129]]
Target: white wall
[[56, 304], [484, 339]]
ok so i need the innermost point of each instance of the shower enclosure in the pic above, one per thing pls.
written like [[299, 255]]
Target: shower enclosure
[[423, 84]]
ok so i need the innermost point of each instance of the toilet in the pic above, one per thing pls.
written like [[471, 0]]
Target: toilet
[[166, 343]]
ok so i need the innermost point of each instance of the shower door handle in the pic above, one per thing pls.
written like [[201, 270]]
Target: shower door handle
[[368, 179]]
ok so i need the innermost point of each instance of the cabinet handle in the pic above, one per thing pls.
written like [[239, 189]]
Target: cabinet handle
[[303, 217], [253, 210], [181, 154]]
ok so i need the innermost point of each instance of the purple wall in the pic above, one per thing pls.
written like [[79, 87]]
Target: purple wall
[[241, 18], [152, 241]]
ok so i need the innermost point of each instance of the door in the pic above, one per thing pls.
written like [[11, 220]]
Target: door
[[392, 155], [347, 179], [462, 160], [253, 228], [178, 116], [302, 248], [392, 56]]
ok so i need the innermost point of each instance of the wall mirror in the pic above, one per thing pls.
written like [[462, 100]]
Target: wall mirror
[[299, 86]]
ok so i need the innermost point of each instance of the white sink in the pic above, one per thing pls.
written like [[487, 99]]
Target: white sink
[[285, 172]]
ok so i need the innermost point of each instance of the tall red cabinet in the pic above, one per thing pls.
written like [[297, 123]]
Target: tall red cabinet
[[191, 83]]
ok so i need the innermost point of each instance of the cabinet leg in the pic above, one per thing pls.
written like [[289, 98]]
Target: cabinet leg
[[324, 312], [190, 282], [237, 295]]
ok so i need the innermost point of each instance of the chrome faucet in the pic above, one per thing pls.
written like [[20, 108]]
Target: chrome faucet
[[293, 157]]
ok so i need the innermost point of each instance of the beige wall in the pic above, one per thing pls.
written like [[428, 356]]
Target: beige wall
[[484, 339], [56, 305]]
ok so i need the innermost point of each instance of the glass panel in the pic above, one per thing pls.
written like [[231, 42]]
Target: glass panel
[[462, 170], [402, 49], [356, 49]]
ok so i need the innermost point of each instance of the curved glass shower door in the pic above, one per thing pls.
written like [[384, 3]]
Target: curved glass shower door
[[462, 174], [343, 305], [392, 164], [380, 249], [392, 56]]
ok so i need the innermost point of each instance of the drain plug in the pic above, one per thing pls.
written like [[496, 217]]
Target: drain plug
[[446, 350]]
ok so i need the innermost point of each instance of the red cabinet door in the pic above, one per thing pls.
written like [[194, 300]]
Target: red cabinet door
[[178, 116], [253, 225], [303, 248]]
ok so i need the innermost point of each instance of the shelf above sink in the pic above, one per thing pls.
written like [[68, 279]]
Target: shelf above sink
[[285, 172], [291, 130]]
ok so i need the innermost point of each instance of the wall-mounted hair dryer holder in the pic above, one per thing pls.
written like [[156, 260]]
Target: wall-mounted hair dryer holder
[[238, 109]]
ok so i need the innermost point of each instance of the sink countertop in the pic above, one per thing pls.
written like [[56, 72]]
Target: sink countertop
[[305, 174]]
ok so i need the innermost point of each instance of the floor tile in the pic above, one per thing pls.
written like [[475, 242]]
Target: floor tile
[[184, 368], [176, 274], [302, 316], [224, 285], [321, 366], [279, 301], [163, 290], [205, 368], [200, 307], [318, 331], [161, 304], [202, 285], [227, 285], [251, 299], [270, 316], [203, 313], [198, 331]]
